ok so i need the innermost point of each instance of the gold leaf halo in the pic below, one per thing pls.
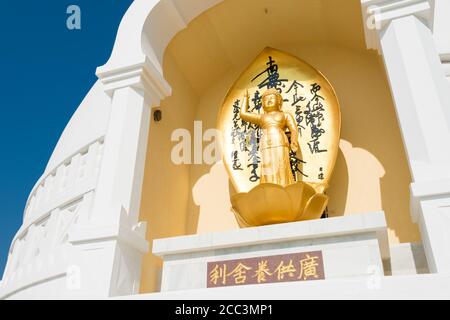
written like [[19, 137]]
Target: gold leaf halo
[[307, 95]]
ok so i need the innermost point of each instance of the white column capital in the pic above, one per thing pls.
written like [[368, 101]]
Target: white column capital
[[142, 75], [377, 14]]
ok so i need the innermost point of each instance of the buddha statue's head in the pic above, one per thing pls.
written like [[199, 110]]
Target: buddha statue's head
[[272, 100]]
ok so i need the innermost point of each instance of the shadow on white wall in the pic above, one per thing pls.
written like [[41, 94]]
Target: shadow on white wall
[[212, 195]]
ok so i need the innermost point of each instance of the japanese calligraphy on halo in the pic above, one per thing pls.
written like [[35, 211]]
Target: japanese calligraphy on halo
[[311, 100]]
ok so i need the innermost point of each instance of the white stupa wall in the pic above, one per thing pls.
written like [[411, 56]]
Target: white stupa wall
[[66, 249], [61, 199]]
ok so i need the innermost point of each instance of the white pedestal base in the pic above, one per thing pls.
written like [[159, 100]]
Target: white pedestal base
[[352, 246]]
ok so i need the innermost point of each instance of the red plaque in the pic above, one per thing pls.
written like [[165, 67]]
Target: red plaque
[[303, 266]]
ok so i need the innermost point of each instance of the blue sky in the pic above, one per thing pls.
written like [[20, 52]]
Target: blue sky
[[46, 70]]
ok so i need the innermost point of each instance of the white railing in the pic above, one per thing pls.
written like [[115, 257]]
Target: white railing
[[59, 186], [58, 200]]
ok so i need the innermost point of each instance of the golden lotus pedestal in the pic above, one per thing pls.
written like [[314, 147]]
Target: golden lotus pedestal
[[269, 203]]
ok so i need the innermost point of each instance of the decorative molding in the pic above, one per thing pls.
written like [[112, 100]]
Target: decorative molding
[[79, 171], [143, 75], [47, 248], [44, 235], [377, 14], [322, 228], [59, 201]]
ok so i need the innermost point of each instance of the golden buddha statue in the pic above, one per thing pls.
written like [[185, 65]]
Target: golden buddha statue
[[278, 198], [290, 187], [274, 144]]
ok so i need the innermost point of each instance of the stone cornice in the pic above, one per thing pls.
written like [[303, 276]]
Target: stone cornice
[[377, 14], [142, 75]]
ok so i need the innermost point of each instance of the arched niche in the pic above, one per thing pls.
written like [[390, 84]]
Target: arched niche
[[202, 61]]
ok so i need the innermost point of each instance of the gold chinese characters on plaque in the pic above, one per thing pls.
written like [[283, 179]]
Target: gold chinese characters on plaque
[[281, 268], [280, 126]]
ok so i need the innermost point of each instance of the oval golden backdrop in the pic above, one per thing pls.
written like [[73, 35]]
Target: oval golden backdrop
[[311, 100]]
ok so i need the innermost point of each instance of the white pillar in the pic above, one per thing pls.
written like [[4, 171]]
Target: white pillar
[[114, 223], [122, 170], [118, 192], [422, 100], [441, 33], [421, 96]]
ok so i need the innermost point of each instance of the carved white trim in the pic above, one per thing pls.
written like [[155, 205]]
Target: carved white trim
[[72, 178], [144, 34], [41, 251], [144, 76]]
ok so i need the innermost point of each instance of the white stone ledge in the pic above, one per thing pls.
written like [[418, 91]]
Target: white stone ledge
[[360, 288], [133, 236], [348, 225], [426, 189]]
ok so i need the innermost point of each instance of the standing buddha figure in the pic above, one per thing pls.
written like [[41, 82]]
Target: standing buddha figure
[[274, 144]]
